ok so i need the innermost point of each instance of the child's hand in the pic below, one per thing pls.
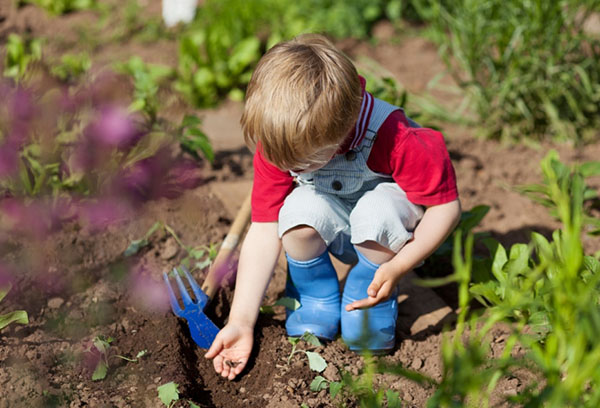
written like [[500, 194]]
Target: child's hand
[[231, 349], [380, 289]]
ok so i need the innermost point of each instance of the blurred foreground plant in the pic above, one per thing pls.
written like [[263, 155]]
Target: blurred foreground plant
[[77, 154], [546, 292], [18, 316]]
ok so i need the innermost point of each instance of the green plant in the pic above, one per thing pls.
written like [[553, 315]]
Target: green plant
[[20, 53], [218, 51], [193, 140], [529, 68], [315, 361], [197, 257], [168, 393], [566, 177], [58, 7], [71, 67], [18, 316], [550, 287], [147, 79], [102, 346]]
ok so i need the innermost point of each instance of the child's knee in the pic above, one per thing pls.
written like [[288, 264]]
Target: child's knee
[[302, 242]]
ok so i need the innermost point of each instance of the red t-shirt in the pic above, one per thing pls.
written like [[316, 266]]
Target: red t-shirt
[[416, 158]]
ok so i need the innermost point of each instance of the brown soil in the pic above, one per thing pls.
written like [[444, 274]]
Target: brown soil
[[78, 285]]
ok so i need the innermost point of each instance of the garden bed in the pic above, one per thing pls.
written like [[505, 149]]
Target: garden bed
[[77, 284]]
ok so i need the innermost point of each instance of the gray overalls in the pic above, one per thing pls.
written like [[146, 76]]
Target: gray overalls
[[348, 203]]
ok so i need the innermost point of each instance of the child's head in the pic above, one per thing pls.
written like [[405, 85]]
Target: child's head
[[302, 100]]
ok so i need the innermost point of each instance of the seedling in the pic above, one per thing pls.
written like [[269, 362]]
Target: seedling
[[168, 393], [147, 79], [18, 316], [71, 67], [102, 345], [288, 302], [193, 140], [315, 361], [20, 53], [198, 257]]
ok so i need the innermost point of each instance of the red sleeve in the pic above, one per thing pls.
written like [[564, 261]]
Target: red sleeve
[[417, 159], [270, 188]]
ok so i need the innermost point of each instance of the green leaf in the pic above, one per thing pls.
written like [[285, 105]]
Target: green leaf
[[334, 388], [315, 361], [393, 399], [318, 384], [311, 339], [18, 316], [141, 353], [288, 302], [191, 120], [267, 309], [100, 371], [589, 169], [135, 247], [168, 393], [192, 405], [4, 290]]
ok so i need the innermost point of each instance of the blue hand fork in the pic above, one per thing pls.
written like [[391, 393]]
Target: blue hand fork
[[202, 329]]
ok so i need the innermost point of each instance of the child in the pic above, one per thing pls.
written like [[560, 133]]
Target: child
[[335, 171]]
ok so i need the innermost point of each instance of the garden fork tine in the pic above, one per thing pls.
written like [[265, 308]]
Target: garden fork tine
[[202, 329], [172, 298]]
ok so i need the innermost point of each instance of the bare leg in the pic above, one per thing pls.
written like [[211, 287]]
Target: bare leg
[[374, 252], [303, 243]]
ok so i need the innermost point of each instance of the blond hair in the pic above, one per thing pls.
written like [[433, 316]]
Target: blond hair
[[304, 96]]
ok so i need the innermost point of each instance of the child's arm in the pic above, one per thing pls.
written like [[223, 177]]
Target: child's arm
[[258, 258], [437, 223]]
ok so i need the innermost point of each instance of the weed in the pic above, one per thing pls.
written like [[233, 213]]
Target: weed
[[101, 345]]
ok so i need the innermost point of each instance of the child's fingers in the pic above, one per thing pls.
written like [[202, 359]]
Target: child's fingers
[[218, 364], [215, 348], [361, 304]]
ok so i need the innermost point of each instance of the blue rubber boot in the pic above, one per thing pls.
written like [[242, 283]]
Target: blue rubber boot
[[372, 329], [315, 285]]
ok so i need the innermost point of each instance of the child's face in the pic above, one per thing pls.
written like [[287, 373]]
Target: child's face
[[320, 159]]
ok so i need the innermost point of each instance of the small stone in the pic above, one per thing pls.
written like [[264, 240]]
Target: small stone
[[416, 364], [331, 373], [242, 390], [266, 396], [125, 324], [170, 249], [55, 302], [157, 379]]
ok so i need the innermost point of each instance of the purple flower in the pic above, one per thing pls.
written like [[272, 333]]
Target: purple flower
[[9, 160], [22, 105], [103, 212], [147, 292], [36, 219], [114, 128]]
